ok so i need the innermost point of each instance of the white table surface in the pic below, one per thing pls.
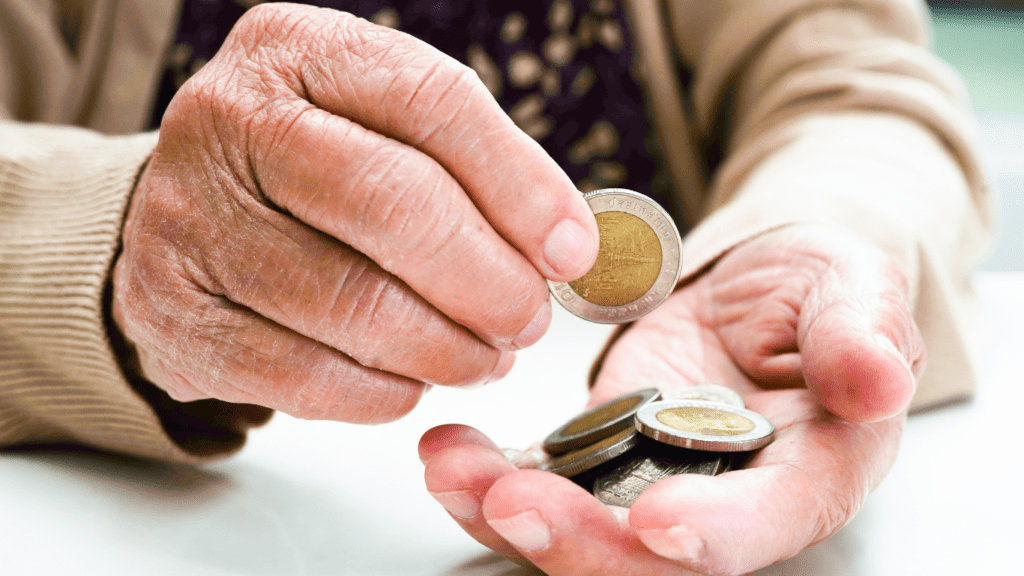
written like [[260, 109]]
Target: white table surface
[[328, 498]]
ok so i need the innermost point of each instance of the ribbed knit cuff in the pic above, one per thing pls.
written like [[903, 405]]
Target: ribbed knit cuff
[[63, 194]]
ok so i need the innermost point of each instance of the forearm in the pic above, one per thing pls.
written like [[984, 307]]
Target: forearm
[[837, 115]]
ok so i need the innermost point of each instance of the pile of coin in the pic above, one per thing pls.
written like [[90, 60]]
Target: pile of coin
[[620, 448]]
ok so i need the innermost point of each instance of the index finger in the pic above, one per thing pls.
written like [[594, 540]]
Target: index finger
[[395, 85]]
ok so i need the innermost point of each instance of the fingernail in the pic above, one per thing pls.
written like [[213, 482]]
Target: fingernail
[[502, 368], [567, 247], [532, 458], [462, 504], [536, 328], [527, 531], [621, 514], [677, 542], [888, 344]]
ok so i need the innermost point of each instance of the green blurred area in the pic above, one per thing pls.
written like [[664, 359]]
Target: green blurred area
[[987, 49]]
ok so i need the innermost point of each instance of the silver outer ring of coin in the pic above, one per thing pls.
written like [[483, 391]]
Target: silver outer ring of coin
[[622, 200], [708, 392], [579, 461], [648, 424], [560, 442]]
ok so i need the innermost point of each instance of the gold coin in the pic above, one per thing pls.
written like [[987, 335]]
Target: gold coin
[[706, 421], [638, 262], [602, 414], [599, 422], [704, 425], [628, 261]]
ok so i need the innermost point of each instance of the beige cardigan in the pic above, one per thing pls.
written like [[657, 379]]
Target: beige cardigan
[[833, 111]]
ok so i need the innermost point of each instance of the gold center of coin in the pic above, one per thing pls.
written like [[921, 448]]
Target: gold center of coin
[[706, 421], [628, 261]]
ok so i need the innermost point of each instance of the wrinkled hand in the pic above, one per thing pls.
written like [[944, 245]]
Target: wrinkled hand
[[813, 328], [335, 215]]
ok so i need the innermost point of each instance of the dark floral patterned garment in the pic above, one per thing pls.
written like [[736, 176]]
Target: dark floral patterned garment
[[564, 70]]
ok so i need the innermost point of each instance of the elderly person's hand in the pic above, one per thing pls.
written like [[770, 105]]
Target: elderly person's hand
[[813, 329], [335, 216]]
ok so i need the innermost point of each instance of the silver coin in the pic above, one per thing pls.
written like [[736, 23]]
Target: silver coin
[[623, 485], [702, 425], [727, 464], [599, 422], [708, 392], [578, 461], [638, 262]]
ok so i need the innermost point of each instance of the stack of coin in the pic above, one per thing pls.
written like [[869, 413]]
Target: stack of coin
[[620, 448]]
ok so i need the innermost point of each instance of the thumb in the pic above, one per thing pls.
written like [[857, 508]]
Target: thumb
[[861, 351]]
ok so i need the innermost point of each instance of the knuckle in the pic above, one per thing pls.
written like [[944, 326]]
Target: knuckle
[[279, 132], [443, 93], [404, 208], [517, 308], [384, 326], [273, 24], [839, 496], [836, 510], [379, 316], [208, 122], [248, 80], [383, 408], [344, 44], [416, 82], [361, 396], [422, 217], [407, 200], [315, 399]]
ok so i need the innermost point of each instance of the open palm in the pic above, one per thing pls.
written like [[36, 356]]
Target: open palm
[[813, 327]]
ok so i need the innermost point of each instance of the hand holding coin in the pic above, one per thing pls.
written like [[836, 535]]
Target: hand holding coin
[[770, 322], [314, 236]]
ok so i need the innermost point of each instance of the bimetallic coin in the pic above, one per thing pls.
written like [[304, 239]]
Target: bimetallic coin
[[702, 425], [599, 422], [638, 262], [578, 461], [707, 392], [623, 485]]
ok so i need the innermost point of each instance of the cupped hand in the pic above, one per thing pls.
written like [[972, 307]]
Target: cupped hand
[[813, 328], [335, 216]]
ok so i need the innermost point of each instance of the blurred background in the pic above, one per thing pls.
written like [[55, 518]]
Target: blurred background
[[984, 41]]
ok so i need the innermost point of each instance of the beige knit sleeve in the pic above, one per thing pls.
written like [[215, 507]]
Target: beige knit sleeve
[[65, 375], [62, 199], [835, 112]]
